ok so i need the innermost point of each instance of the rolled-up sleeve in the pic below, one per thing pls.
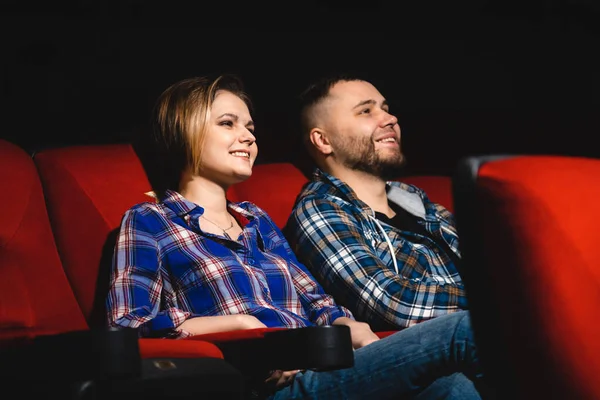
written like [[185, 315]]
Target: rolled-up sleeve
[[136, 282]]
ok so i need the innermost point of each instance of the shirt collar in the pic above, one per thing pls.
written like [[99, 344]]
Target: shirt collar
[[181, 207], [321, 176]]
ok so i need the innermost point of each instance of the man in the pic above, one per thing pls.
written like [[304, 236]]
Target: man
[[380, 247]]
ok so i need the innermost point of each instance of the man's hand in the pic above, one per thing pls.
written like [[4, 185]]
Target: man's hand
[[360, 332], [281, 378]]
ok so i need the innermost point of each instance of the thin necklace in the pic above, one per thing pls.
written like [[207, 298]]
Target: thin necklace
[[224, 230]]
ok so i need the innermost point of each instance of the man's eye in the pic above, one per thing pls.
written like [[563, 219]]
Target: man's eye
[[366, 111]]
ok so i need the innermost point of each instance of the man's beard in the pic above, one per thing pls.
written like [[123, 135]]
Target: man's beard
[[360, 154]]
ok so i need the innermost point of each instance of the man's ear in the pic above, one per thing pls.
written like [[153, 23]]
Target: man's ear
[[319, 139]]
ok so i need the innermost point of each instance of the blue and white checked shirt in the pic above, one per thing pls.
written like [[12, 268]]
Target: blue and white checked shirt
[[332, 233], [166, 269]]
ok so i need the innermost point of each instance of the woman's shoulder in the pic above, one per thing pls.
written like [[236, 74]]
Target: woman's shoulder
[[147, 210], [145, 207]]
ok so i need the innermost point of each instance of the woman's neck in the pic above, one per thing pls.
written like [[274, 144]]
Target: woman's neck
[[207, 194]]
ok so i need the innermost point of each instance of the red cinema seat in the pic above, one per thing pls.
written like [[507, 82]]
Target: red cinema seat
[[529, 237], [35, 295], [46, 343], [88, 189]]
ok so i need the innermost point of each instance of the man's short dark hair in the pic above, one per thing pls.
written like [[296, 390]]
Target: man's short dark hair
[[314, 93]]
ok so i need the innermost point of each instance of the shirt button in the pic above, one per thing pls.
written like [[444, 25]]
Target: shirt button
[[250, 261]]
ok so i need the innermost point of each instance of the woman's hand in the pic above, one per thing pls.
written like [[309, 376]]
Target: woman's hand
[[361, 332]]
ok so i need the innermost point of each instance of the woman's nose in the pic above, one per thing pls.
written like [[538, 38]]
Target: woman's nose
[[247, 137]]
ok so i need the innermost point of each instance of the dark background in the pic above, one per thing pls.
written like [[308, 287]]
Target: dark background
[[476, 77]]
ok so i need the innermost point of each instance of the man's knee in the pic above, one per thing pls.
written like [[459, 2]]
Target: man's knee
[[461, 387]]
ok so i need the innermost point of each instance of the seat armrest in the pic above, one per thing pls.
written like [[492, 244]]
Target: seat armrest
[[264, 349], [74, 356], [176, 378], [106, 364], [317, 347], [160, 348]]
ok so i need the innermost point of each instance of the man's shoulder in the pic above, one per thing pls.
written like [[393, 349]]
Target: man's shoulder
[[318, 192], [313, 188]]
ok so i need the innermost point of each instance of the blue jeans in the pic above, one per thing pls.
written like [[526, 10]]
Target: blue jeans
[[431, 360]]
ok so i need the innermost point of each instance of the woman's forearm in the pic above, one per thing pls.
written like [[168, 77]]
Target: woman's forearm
[[220, 323]]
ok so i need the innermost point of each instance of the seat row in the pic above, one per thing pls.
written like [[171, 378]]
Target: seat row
[[529, 240]]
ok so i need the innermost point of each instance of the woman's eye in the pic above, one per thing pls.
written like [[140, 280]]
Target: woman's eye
[[226, 123]]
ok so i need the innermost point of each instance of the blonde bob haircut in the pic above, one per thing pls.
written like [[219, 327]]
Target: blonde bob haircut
[[180, 120]]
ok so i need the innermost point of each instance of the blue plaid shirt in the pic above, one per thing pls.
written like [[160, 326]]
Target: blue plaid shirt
[[166, 269], [332, 233]]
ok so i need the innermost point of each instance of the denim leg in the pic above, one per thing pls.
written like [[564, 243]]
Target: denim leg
[[452, 387], [401, 366]]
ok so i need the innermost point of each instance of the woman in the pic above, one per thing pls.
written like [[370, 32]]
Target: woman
[[193, 263]]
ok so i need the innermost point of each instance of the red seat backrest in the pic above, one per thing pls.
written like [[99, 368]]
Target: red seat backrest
[[88, 189], [272, 187], [529, 230], [35, 296]]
